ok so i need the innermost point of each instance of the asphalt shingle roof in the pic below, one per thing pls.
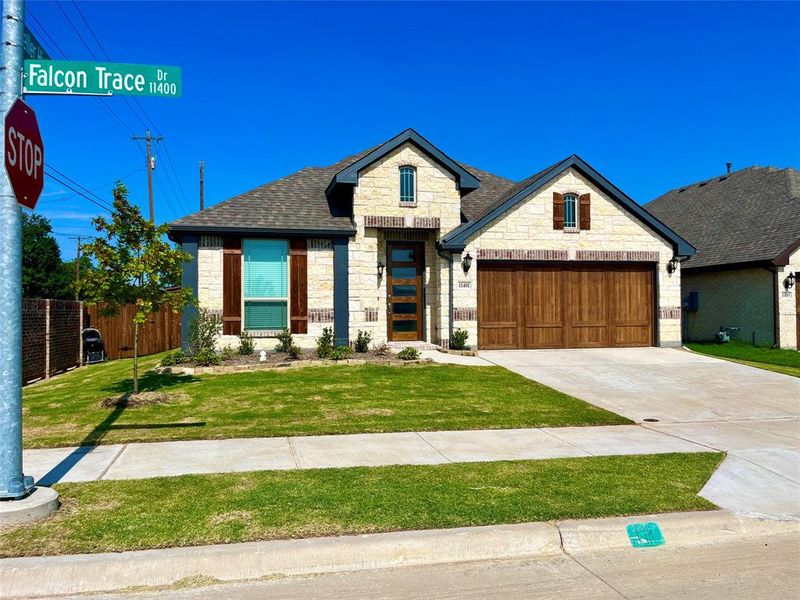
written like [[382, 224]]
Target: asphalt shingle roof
[[749, 215], [297, 201]]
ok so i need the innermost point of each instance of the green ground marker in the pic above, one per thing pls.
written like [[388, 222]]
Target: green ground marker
[[645, 535]]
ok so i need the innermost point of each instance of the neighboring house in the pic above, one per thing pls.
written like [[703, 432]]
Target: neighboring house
[[406, 243], [746, 228]]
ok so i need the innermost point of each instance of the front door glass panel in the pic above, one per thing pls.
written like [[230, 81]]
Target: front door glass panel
[[404, 304]]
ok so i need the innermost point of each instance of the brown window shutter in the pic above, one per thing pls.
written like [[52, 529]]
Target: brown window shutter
[[585, 211], [558, 211], [231, 286], [298, 285]]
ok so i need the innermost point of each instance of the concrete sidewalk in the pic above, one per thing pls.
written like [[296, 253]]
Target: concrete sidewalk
[[760, 476], [155, 459]]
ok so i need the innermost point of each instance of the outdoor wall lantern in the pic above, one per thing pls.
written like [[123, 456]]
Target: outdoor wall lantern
[[381, 267], [788, 283], [466, 262], [672, 265]]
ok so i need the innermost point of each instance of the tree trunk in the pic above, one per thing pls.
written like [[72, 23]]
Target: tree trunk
[[136, 357]]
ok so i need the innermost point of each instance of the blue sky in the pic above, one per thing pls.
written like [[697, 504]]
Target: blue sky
[[653, 95]]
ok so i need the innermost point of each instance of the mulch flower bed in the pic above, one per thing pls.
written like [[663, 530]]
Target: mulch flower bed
[[275, 360]]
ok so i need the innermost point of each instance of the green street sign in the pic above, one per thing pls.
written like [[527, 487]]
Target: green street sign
[[82, 78], [31, 48]]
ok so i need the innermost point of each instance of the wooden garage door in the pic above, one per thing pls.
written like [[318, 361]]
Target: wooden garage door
[[564, 306]]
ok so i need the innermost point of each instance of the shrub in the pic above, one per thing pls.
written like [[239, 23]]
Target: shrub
[[285, 341], [246, 344], [362, 341], [408, 353], [381, 349], [325, 343], [207, 358], [295, 352], [459, 339], [174, 358], [341, 353], [227, 353], [204, 329]]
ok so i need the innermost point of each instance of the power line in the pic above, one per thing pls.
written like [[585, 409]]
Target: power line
[[177, 179], [72, 235], [123, 178], [141, 115], [42, 33], [89, 27], [75, 29], [70, 187], [133, 104], [68, 178]]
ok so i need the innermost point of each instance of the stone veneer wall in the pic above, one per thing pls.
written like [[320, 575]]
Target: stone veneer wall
[[376, 203], [529, 226], [320, 289]]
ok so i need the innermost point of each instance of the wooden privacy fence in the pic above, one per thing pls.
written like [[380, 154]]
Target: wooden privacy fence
[[51, 334], [160, 332]]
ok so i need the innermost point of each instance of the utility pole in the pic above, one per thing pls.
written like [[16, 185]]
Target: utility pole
[[78, 269], [13, 483], [202, 182], [150, 166]]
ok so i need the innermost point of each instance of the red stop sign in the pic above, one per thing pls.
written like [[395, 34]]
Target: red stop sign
[[24, 152]]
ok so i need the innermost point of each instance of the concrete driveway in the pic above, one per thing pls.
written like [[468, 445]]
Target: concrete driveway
[[752, 414]]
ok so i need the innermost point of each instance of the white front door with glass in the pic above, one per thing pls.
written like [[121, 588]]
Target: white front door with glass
[[265, 284]]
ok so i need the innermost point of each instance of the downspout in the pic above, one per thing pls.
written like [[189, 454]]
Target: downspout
[[449, 258]]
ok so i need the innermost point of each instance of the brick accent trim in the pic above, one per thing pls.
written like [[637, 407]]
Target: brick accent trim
[[617, 255], [406, 235], [371, 315], [426, 222], [518, 254], [669, 312], [386, 222], [465, 314], [320, 315], [380, 221]]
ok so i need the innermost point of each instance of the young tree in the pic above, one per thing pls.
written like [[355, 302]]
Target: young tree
[[134, 265]]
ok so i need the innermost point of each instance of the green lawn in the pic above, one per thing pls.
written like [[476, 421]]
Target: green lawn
[[305, 401], [771, 359], [106, 516]]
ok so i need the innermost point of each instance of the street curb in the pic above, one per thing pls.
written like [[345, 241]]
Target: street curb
[[84, 573], [678, 529]]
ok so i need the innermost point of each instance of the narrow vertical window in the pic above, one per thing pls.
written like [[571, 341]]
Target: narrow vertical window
[[570, 211], [408, 187]]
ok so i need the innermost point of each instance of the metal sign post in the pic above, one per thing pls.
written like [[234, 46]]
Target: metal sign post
[[13, 484]]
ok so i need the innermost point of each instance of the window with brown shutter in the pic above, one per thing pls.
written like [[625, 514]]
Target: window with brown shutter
[[558, 211], [231, 286], [585, 212], [298, 285]]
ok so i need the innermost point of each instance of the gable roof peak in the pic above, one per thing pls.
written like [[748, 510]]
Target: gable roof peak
[[349, 174], [457, 239]]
